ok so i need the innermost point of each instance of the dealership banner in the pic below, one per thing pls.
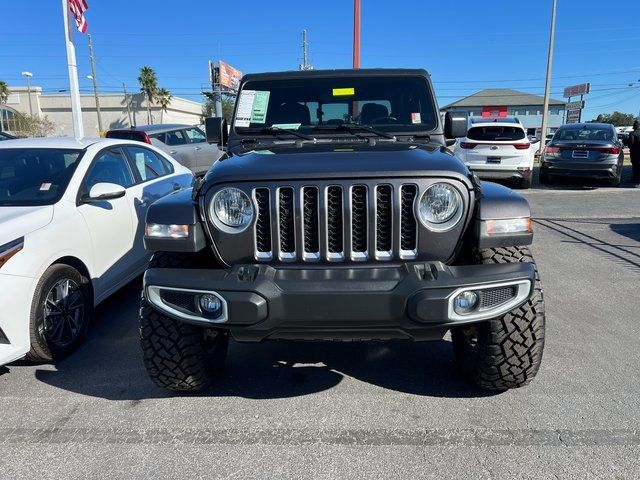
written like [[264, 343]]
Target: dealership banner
[[229, 77]]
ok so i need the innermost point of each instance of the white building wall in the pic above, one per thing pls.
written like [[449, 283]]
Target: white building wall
[[113, 109]]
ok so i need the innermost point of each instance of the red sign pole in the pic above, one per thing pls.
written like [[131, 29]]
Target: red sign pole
[[356, 33]]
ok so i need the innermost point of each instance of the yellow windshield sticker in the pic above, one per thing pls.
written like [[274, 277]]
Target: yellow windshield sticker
[[343, 92]]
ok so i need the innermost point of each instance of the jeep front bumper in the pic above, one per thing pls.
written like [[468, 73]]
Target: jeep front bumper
[[412, 300]]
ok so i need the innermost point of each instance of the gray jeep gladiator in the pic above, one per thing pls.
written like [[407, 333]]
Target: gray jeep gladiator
[[338, 213]]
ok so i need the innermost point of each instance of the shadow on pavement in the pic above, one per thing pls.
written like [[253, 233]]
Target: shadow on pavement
[[109, 364], [629, 230]]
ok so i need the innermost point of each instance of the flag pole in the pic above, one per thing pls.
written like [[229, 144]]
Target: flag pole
[[74, 89]]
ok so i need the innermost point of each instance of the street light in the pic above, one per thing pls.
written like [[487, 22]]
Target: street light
[[27, 76]]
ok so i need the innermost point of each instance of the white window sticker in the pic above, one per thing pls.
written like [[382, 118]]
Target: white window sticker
[[416, 117], [287, 126], [245, 107], [252, 108], [45, 187]]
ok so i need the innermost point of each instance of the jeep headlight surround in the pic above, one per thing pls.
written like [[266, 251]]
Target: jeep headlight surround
[[231, 210], [440, 207]]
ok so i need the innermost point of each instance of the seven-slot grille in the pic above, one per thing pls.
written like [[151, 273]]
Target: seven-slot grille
[[335, 223]]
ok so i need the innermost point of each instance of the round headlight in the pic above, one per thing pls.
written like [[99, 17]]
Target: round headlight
[[232, 207], [440, 206]]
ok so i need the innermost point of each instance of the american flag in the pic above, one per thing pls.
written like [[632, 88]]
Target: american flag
[[77, 8]]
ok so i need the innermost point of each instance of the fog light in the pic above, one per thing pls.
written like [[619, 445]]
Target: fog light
[[211, 305], [465, 302]]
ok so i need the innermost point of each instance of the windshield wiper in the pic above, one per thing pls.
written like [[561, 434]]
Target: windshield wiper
[[276, 130], [353, 128]]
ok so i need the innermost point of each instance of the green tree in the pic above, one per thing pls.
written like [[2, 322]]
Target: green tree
[[618, 119], [148, 80], [228, 104], [163, 97], [4, 95]]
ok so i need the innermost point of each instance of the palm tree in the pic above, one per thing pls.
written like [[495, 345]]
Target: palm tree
[[4, 95], [148, 80], [163, 97]]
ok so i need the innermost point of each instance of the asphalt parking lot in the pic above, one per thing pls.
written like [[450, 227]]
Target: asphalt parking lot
[[396, 410]]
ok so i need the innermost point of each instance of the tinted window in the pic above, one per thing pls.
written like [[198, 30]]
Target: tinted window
[[585, 132], [496, 133], [176, 137], [110, 166], [127, 135], [195, 135], [30, 176], [148, 164], [389, 103]]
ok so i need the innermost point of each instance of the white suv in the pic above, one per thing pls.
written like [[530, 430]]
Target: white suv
[[497, 149]]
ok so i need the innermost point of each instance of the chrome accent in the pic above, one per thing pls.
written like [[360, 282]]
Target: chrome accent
[[358, 256], [522, 294], [333, 256], [409, 254], [261, 256], [382, 254], [155, 298], [284, 256], [309, 256]]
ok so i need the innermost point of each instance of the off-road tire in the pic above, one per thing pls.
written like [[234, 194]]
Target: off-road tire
[[505, 352], [177, 355], [43, 350]]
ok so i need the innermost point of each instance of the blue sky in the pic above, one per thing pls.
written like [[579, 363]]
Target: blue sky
[[466, 45]]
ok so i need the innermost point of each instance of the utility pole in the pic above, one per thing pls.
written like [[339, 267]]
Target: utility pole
[[95, 83], [214, 77], [356, 33], [27, 76], [547, 87], [126, 101], [305, 58]]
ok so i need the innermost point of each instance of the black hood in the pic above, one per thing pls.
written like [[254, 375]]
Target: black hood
[[338, 161]]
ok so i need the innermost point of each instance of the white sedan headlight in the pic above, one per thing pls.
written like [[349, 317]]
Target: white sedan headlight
[[440, 207], [232, 208]]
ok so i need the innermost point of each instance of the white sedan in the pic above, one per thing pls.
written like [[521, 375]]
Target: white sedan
[[72, 215]]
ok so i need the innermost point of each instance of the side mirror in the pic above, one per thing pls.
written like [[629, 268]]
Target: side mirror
[[217, 131], [106, 191], [455, 125]]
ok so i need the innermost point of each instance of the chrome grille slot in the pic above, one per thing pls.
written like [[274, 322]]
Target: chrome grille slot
[[311, 224], [263, 224], [408, 226], [286, 224], [335, 223], [384, 222], [359, 222]]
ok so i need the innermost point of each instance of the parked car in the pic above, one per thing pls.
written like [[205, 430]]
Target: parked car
[[185, 143], [338, 214], [6, 136], [498, 149], [584, 150], [71, 226]]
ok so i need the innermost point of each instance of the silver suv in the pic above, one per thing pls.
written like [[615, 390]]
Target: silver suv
[[186, 143]]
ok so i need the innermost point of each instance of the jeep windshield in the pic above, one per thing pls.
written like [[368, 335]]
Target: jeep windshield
[[325, 107]]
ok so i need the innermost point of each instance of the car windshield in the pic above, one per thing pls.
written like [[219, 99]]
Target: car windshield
[[35, 176], [584, 132], [389, 104], [496, 133]]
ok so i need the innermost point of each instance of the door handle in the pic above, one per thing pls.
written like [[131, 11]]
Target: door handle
[[197, 148], [173, 152]]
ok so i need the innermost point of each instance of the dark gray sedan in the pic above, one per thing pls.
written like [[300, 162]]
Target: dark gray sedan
[[583, 150]]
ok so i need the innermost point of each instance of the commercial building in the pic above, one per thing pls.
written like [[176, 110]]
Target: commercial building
[[505, 102], [116, 110]]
